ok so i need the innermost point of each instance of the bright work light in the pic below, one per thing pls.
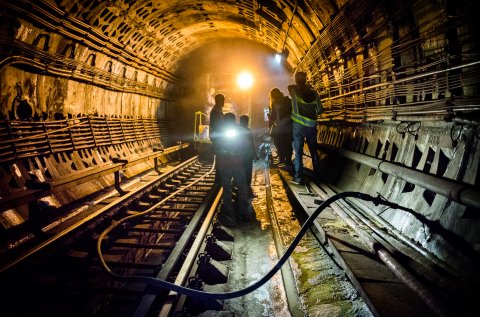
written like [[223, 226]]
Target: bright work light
[[230, 133], [245, 80], [278, 58]]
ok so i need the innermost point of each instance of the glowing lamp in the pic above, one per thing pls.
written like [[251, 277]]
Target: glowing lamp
[[245, 80], [230, 133], [278, 58]]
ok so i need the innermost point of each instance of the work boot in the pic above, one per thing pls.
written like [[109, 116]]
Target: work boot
[[296, 181]]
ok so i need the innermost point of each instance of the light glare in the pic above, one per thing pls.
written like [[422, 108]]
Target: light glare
[[278, 58], [245, 80], [231, 133]]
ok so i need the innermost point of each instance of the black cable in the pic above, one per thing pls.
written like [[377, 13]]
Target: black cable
[[413, 128], [401, 130], [156, 283]]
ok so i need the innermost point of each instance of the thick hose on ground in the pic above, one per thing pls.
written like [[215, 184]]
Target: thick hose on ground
[[156, 283]]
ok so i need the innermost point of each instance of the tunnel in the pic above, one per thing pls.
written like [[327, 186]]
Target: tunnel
[[94, 93]]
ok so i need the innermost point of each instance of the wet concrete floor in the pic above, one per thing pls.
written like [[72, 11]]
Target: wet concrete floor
[[321, 286]]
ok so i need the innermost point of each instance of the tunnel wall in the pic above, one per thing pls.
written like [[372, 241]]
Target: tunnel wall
[[67, 160], [51, 76], [433, 148], [58, 73], [383, 60], [48, 95], [393, 77]]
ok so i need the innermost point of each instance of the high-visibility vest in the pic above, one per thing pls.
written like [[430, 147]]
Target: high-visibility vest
[[298, 110]]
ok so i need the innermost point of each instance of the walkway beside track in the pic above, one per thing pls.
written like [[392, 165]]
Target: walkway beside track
[[383, 292], [322, 286], [318, 283]]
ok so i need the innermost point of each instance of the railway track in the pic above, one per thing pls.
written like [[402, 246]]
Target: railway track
[[152, 229], [164, 228]]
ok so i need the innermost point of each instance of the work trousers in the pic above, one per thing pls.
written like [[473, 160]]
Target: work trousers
[[231, 167], [300, 134], [284, 143]]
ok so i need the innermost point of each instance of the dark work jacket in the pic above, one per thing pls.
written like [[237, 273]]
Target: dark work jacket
[[282, 111], [249, 153], [231, 145], [216, 120]]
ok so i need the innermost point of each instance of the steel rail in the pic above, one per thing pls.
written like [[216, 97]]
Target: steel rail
[[162, 284], [188, 262], [287, 274], [151, 209], [50, 241]]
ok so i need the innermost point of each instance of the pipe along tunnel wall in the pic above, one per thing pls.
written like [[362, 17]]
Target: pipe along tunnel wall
[[419, 170]]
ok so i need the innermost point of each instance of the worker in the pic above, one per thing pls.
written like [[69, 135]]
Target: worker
[[280, 112], [306, 106], [272, 129], [249, 155], [230, 148], [216, 119]]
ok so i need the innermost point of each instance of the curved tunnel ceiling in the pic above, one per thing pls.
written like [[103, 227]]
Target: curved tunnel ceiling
[[350, 49], [165, 31]]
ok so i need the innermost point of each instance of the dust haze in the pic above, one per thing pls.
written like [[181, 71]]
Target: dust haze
[[213, 68]]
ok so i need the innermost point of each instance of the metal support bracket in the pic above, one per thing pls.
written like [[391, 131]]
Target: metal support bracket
[[156, 160], [117, 183], [117, 175], [157, 166]]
